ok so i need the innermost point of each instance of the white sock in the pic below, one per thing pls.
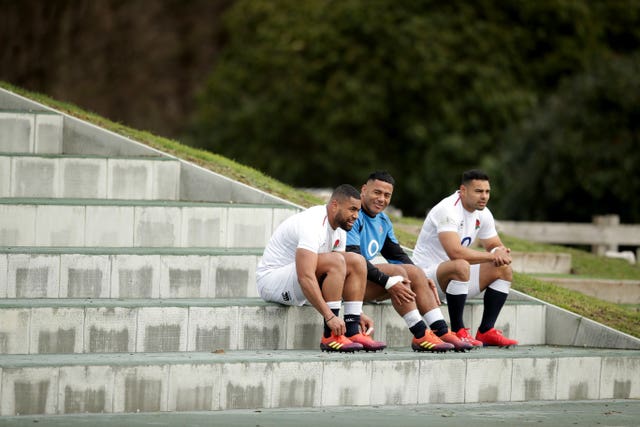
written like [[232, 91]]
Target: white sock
[[412, 317]]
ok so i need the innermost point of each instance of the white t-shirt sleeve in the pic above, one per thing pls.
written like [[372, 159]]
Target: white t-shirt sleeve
[[445, 219], [487, 225], [308, 236]]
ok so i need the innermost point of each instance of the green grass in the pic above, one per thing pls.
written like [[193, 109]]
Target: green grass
[[623, 317]]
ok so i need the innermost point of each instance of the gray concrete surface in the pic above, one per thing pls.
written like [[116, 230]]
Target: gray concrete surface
[[271, 379], [540, 414], [114, 223], [615, 291]]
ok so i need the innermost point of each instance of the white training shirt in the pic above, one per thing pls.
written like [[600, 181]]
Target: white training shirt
[[449, 215], [309, 229]]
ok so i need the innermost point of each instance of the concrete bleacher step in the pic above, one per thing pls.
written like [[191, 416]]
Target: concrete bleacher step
[[92, 177], [39, 326], [30, 132], [69, 272], [110, 304], [213, 381], [136, 223]]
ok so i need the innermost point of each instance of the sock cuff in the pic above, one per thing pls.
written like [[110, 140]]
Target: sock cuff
[[456, 287], [353, 307], [333, 305], [413, 317], [433, 316], [500, 286]]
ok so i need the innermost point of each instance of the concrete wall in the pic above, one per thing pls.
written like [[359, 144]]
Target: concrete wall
[[205, 381]]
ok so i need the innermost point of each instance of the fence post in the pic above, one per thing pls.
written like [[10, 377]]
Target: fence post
[[605, 221]]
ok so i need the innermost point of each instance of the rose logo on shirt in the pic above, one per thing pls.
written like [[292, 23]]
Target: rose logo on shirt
[[336, 243], [477, 224]]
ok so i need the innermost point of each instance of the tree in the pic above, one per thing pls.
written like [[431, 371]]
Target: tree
[[577, 155], [317, 93]]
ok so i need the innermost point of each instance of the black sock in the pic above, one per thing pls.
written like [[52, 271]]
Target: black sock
[[493, 302], [327, 331], [352, 321], [439, 327], [455, 303], [418, 329]]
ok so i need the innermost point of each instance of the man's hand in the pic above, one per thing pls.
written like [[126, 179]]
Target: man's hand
[[501, 256], [433, 287], [337, 326], [401, 292], [366, 322]]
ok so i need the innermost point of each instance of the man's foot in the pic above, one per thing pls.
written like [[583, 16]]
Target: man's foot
[[458, 344], [340, 344], [368, 343], [430, 342], [463, 334], [494, 337]]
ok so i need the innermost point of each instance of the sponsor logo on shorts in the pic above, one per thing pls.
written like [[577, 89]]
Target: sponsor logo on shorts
[[286, 296]]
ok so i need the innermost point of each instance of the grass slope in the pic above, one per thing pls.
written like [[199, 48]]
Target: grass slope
[[625, 318]]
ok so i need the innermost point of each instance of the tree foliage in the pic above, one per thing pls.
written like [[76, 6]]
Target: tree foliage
[[135, 61], [577, 155], [321, 92]]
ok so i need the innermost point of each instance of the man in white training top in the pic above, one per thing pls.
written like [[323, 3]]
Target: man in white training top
[[443, 252]]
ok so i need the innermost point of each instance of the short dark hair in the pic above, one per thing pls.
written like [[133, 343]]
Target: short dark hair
[[345, 191], [382, 176], [472, 174]]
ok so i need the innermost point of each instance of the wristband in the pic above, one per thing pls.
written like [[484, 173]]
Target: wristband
[[329, 319], [393, 280]]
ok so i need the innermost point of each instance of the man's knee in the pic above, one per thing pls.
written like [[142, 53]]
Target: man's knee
[[355, 263], [457, 269], [505, 272], [332, 264]]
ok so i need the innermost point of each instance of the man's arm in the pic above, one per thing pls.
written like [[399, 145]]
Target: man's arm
[[450, 242], [373, 273], [392, 251]]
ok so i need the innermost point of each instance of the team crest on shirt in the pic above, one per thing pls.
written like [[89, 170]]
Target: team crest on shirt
[[336, 243], [477, 223]]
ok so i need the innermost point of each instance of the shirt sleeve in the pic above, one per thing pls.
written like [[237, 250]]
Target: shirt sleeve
[[487, 225], [393, 252], [445, 220], [373, 273], [308, 237]]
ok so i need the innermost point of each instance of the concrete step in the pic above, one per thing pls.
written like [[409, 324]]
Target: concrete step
[[148, 382], [30, 132], [541, 262], [32, 326], [135, 223], [612, 290], [93, 177], [59, 272], [548, 413]]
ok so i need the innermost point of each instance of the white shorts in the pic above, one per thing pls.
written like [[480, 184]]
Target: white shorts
[[474, 280], [281, 285]]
